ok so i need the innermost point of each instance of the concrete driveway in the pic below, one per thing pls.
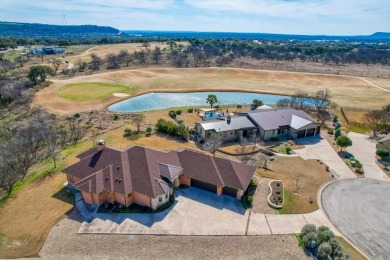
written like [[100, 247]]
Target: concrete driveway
[[360, 209], [198, 212], [317, 147], [364, 150]]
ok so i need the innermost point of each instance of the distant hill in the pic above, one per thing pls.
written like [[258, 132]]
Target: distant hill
[[58, 31], [267, 36]]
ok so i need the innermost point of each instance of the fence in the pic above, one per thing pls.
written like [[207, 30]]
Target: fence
[[354, 123], [344, 115]]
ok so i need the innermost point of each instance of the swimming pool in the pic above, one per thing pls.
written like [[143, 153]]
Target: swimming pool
[[158, 101]]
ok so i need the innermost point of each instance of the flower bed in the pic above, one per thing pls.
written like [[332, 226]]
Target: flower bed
[[276, 196]]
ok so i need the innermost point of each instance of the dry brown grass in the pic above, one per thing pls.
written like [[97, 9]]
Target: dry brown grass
[[287, 169], [27, 219], [103, 50], [353, 117], [350, 250], [347, 91]]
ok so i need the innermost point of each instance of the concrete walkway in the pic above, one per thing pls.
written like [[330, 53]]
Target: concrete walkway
[[318, 148], [197, 212], [364, 150]]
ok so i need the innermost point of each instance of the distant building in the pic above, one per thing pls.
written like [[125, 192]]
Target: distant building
[[263, 123], [47, 50]]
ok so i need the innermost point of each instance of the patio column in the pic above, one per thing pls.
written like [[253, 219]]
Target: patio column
[[305, 132]]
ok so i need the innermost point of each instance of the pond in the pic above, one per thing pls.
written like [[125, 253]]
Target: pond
[[159, 101]]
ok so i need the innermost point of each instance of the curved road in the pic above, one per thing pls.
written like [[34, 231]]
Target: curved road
[[360, 209]]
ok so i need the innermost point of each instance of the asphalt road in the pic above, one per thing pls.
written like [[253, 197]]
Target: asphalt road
[[360, 209]]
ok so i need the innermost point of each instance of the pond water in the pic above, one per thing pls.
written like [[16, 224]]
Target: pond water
[[158, 101]]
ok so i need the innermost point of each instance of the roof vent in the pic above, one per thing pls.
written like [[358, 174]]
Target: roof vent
[[116, 180], [118, 168], [120, 180], [229, 119], [107, 178]]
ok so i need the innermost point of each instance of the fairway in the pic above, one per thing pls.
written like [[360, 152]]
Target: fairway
[[347, 91], [90, 90]]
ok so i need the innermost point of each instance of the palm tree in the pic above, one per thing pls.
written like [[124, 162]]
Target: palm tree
[[212, 99]]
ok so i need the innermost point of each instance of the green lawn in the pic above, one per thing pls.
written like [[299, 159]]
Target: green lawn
[[92, 90]]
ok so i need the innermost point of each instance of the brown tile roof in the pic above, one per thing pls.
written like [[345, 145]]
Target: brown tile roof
[[142, 170]]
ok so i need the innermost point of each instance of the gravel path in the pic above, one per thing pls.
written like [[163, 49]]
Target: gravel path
[[260, 204], [63, 242]]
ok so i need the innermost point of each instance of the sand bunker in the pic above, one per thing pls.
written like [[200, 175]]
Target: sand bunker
[[120, 95]]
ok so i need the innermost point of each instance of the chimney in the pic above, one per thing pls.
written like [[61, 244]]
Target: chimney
[[228, 119], [100, 145]]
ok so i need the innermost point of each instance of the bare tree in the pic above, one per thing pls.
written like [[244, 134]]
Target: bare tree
[[76, 130], [113, 61], [213, 143], [96, 62], [146, 44], [248, 154], [53, 146], [82, 65], [141, 56], [321, 99], [125, 57], [375, 120], [56, 63], [156, 55], [137, 120], [301, 97]]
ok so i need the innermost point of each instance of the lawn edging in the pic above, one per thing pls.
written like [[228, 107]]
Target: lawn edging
[[272, 205]]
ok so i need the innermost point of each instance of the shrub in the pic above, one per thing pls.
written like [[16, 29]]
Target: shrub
[[172, 114], [335, 119], [306, 239], [324, 234], [337, 133], [127, 132], [330, 131], [177, 130], [239, 106], [116, 117], [273, 139], [382, 152], [148, 130], [358, 165], [324, 249], [190, 110], [343, 141], [246, 201], [178, 112], [307, 229], [77, 115], [288, 150], [337, 125]]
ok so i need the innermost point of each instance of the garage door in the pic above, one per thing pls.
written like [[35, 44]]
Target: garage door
[[310, 132], [301, 133], [230, 191], [204, 185]]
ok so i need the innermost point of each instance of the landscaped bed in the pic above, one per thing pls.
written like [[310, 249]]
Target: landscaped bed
[[309, 174], [275, 198]]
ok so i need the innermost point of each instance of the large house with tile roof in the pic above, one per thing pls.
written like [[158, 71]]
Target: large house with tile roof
[[147, 177]]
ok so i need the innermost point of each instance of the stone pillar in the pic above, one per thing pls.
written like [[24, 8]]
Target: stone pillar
[[239, 194], [219, 190]]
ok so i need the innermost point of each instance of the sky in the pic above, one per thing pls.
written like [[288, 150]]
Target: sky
[[330, 17]]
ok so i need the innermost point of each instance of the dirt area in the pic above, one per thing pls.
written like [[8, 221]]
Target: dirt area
[[235, 149], [260, 204], [312, 175], [346, 90], [27, 218]]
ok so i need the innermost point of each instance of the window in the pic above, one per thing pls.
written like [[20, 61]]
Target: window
[[166, 196], [235, 132], [159, 198], [224, 134], [273, 132]]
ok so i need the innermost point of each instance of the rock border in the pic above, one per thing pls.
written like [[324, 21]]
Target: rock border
[[272, 205]]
